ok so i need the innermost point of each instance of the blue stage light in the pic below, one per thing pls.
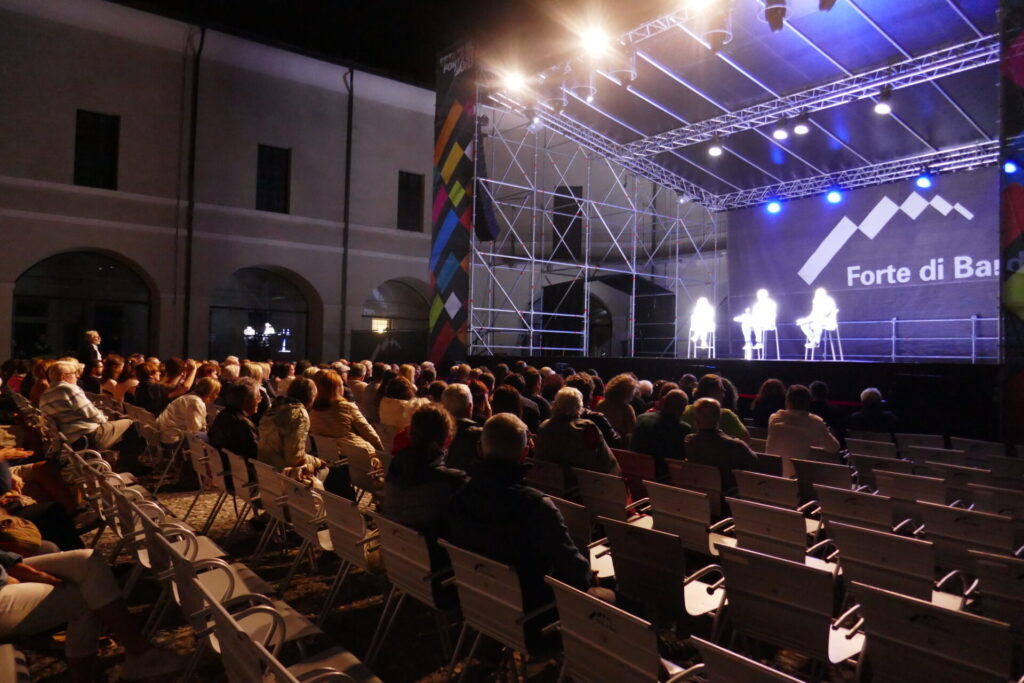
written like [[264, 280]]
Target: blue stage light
[[1010, 167], [834, 196], [924, 181], [774, 207]]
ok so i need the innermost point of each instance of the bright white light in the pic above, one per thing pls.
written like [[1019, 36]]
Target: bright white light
[[834, 196], [774, 207], [715, 150], [801, 128], [756, 320], [924, 181], [594, 41], [249, 332], [882, 107], [699, 5], [780, 133], [268, 330], [702, 323], [590, 98], [515, 81], [824, 315]]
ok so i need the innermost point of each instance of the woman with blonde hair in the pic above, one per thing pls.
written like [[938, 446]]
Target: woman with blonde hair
[[616, 404], [334, 416]]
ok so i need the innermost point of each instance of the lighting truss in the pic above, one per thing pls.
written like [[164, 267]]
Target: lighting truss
[[914, 71], [943, 161]]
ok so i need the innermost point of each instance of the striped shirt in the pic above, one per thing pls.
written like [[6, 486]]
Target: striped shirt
[[75, 415]]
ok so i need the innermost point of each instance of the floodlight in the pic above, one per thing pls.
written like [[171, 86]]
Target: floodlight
[[683, 199], [780, 132], [774, 207], [1010, 167], [515, 81], [834, 196], [802, 126], [718, 27], [594, 41], [884, 105], [775, 14], [924, 181], [715, 149]]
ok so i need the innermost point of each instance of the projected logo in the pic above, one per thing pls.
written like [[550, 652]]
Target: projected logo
[[879, 217]]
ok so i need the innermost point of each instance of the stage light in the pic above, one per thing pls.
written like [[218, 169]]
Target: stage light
[[715, 149], [594, 41], [683, 199], [802, 126], [780, 132], [775, 14], [773, 207], [1010, 167], [834, 196], [924, 181], [718, 26], [515, 81], [884, 106]]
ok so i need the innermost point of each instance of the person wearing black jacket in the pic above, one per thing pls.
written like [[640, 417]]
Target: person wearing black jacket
[[464, 449], [233, 428]]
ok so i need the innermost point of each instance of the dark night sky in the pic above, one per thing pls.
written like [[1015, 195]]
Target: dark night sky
[[401, 38]]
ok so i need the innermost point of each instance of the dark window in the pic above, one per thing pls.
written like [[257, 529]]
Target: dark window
[[96, 137], [567, 223], [410, 201], [273, 178]]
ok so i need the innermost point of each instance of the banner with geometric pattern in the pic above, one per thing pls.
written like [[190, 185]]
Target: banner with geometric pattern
[[454, 127]]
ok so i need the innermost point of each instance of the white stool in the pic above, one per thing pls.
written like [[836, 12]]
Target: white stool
[[764, 343], [830, 340], [693, 350]]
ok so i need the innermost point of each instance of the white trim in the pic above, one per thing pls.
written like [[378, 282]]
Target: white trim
[[36, 184]]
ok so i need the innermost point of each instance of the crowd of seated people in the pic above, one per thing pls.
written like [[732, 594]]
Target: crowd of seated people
[[463, 444]]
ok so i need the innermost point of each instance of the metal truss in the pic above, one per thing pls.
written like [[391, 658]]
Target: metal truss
[[943, 161], [619, 287], [910, 72]]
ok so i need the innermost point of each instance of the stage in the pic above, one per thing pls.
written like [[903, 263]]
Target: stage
[[960, 399]]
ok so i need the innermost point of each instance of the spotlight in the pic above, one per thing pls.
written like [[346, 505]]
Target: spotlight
[[1010, 167], [718, 32], [826, 5], [780, 132], [515, 81], [924, 181], [715, 149], [594, 41], [683, 199], [773, 207], [590, 98], [802, 126], [883, 106], [834, 196], [775, 14]]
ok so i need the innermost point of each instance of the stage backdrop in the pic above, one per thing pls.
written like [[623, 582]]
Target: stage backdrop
[[924, 258]]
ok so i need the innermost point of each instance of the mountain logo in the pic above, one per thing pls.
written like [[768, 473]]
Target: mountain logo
[[883, 212]]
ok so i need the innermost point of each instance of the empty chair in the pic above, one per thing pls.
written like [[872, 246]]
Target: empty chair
[[492, 605], [910, 639], [604, 495], [957, 479], [764, 488], [810, 473], [922, 454], [1000, 501], [816, 454], [773, 530], [687, 514], [1001, 587], [859, 508], [602, 643], [695, 477], [879, 449], [893, 562], [406, 556], [769, 464], [976, 447], [350, 541], [955, 531], [1009, 472], [636, 469], [906, 489], [865, 435], [577, 521], [720, 664], [549, 477], [650, 568], [786, 604], [906, 440], [865, 465]]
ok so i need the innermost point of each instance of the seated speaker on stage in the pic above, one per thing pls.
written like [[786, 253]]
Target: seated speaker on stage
[[756, 321], [824, 316], [702, 324]]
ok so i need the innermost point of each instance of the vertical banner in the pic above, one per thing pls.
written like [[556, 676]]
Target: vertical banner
[[1012, 219], [454, 126]]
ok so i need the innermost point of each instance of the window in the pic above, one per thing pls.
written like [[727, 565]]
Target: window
[[273, 178], [96, 139], [410, 201]]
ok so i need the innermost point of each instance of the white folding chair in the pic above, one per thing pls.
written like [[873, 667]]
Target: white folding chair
[[604, 495], [776, 531], [209, 467], [273, 494], [549, 477], [327, 448], [978, 447], [809, 473], [687, 514], [859, 508], [879, 449], [350, 538], [696, 477], [581, 527], [907, 489], [779, 492], [720, 664], [308, 520], [866, 465], [245, 488], [956, 531]]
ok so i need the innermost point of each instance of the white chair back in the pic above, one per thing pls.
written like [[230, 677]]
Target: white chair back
[[768, 529], [687, 514], [898, 563], [977, 447], [245, 488], [273, 493], [577, 521], [696, 477], [866, 465], [905, 440], [809, 473], [387, 435], [604, 495], [305, 509], [1001, 578], [407, 558], [858, 508], [327, 447], [347, 527], [956, 531], [921, 454], [725, 665], [906, 489], [879, 449], [650, 567], [764, 488], [548, 477]]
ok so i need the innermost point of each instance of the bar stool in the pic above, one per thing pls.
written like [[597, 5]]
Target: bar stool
[[693, 350], [830, 340], [764, 342]]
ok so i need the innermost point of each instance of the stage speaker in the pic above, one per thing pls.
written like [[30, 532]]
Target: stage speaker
[[567, 224]]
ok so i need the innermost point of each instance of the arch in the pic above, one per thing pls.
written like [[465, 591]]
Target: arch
[[60, 296], [263, 311], [401, 301]]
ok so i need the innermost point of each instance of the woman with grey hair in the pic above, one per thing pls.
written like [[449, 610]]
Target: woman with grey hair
[[572, 441]]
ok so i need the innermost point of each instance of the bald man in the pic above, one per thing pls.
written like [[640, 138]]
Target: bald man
[[710, 446]]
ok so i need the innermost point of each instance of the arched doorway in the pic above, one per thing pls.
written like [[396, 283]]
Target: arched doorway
[[397, 315], [258, 313], [59, 298]]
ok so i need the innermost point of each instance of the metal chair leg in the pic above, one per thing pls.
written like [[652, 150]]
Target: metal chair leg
[[455, 654], [239, 520], [333, 591], [469, 657], [380, 624], [217, 505], [387, 629], [294, 567]]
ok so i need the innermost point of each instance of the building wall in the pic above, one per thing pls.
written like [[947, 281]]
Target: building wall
[[65, 55]]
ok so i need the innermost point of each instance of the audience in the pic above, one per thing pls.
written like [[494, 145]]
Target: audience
[[334, 416], [617, 407], [770, 397], [188, 413], [569, 440], [532, 380], [463, 451], [709, 445], [530, 411], [585, 384], [793, 431], [662, 433], [233, 428], [710, 386], [395, 408], [76, 416], [821, 407], [872, 416], [283, 433]]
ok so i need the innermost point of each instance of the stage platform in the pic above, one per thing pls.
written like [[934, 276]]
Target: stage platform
[[958, 399]]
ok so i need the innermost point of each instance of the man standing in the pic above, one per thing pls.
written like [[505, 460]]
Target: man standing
[[91, 347]]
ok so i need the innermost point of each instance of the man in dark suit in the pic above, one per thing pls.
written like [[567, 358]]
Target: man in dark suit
[[91, 347]]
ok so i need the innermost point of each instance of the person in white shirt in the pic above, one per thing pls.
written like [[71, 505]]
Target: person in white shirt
[[793, 431], [188, 413]]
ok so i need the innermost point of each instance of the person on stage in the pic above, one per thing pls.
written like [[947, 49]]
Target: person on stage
[[824, 316], [755, 321], [702, 323]]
